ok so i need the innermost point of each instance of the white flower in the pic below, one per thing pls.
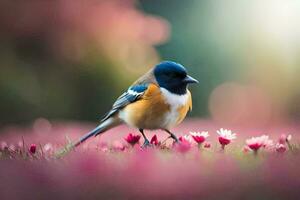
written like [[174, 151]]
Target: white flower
[[254, 140], [255, 143], [4, 145], [48, 147], [284, 138], [200, 134], [226, 134], [187, 138], [262, 141], [267, 143], [280, 148], [199, 137]]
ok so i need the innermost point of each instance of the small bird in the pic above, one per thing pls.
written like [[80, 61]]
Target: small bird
[[157, 100]]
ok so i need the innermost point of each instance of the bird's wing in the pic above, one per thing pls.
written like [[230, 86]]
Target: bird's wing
[[133, 94]]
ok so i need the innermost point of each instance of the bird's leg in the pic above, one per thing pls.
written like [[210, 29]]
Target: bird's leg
[[146, 141], [172, 135]]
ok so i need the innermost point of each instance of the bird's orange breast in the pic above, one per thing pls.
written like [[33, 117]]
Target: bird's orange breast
[[151, 111], [148, 112]]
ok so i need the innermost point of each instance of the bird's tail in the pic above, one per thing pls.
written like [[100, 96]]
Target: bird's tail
[[101, 128]]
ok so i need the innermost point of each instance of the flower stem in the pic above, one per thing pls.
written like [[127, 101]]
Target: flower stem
[[290, 146], [255, 153], [223, 147], [199, 145]]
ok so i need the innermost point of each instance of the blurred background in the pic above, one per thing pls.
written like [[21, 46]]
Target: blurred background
[[70, 59]]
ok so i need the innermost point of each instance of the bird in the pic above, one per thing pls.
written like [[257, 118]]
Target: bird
[[160, 99]]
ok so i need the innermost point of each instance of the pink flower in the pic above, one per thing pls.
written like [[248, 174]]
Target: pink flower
[[207, 145], [182, 147], [199, 137], [284, 138], [267, 143], [154, 140], [255, 143], [104, 148], [225, 136], [118, 146], [48, 147], [20, 144], [246, 149], [4, 146], [32, 148], [132, 139], [280, 148], [186, 138]]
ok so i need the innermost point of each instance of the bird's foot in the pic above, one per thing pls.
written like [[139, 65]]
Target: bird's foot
[[146, 144]]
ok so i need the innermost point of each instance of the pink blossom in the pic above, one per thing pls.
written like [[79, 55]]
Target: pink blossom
[[225, 136], [224, 141], [32, 148], [267, 143], [4, 146], [207, 145], [246, 149], [48, 147], [183, 146], [185, 143], [284, 138], [187, 139], [118, 146], [104, 149], [20, 144], [255, 143], [132, 139], [199, 137], [280, 148], [154, 140]]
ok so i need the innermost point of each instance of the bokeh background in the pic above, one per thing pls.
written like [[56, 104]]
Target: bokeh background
[[70, 59]]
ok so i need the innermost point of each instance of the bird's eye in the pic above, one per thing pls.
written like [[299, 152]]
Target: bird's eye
[[173, 75], [182, 76], [179, 75]]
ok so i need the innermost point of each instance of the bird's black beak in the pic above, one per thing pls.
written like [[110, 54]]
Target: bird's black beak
[[188, 79]]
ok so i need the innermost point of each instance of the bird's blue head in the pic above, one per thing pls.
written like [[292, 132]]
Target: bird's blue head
[[173, 77]]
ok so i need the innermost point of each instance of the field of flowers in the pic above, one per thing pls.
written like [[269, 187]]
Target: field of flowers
[[209, 162]]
